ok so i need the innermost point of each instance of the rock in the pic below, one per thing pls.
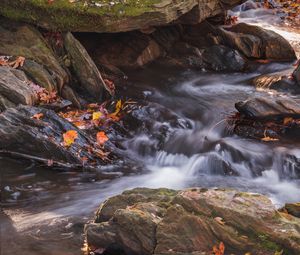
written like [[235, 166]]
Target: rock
[[269, 107], [5, 103], [126, 50], [279, 81], [39, 75], [221, 58], [182, 55], [14, 88], [192, 221], [117, 16], [257, 42], [84, 68], [24, 40], [293, 209], [296, 74], [21, 133]]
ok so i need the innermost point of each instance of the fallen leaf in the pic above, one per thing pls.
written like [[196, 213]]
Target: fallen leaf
[[50, 162], [219, 250], [97, 115], [38, 116], [101, 138], [287, 120], [269, 139], [69, 137], [219, 220], [17, 63]]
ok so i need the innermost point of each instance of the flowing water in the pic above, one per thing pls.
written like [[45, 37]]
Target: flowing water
[[183, 141]]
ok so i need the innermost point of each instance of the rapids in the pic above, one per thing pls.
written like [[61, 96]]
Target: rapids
[[187, 143]]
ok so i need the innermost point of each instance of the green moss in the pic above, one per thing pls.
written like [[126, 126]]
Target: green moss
[[77, 16], [267, 244]]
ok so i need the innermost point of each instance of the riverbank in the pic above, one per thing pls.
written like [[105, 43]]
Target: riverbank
[[176, 127]]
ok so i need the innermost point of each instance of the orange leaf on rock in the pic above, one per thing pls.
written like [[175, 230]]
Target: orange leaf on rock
[[101, 138], [219, 250], [38, 116], [69, 137]]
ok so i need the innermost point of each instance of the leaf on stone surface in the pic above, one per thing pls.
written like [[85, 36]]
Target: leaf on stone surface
[[269, 139], [69, 137], [38, 116], [219, 250], [278, 252], [219, 220], [97, 115], [287, 120], [17, 63], [101, 138]]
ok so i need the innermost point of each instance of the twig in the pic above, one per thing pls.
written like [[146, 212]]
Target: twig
[[54, 163]]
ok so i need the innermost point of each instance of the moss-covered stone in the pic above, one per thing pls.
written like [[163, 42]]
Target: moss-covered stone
[[188, 223], [102, 15]]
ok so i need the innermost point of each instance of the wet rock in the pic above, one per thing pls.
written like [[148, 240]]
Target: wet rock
[[115, 16], [84, 68], [14, 88], [293, 209], [269, 107], [257, 42], [280, 81], [296, 75], [192, 221], [221, 58], [21, 133], [24, 40]]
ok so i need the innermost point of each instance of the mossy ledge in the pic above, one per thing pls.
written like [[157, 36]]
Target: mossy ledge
[[96, 16]]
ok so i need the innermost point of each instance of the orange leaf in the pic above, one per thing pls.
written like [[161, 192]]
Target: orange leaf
[[69, 137], [219, 250], [38, 116], [101, 138]]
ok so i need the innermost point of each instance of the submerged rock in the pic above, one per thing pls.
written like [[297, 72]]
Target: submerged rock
[[113, 16], [192, 221]]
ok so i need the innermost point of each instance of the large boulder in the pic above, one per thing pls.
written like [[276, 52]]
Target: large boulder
[[257, 42], [109, 16], [192, 221]]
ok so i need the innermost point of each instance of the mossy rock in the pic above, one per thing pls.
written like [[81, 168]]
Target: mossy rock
[[103, 15]]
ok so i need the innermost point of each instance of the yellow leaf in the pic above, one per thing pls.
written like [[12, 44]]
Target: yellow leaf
[[97, 115], [69, 137], [278, 252]]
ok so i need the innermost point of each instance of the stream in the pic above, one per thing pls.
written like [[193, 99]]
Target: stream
[[44, 211]]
